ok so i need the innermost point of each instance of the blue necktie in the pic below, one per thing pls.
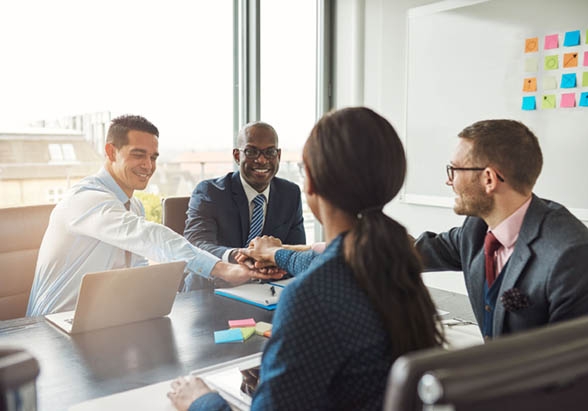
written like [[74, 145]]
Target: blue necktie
[[256, 219]]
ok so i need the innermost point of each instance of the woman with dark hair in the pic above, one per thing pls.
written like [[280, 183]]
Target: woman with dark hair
[[360, 304]]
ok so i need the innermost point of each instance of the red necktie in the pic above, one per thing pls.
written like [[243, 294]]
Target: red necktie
[[491, 244]]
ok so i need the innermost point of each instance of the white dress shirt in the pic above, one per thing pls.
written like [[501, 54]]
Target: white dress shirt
[[250, 193], [89, 231]]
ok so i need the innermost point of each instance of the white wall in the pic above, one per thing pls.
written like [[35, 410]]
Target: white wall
[[370, 40], [370, 59]]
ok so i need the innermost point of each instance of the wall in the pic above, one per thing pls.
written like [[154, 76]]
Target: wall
[[370, 71]]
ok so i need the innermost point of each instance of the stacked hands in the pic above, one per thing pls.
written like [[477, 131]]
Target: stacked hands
[[259, 256]]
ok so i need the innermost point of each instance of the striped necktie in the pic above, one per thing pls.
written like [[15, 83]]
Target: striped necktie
[[256, 218]]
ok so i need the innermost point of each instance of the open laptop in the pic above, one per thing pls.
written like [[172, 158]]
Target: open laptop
[[122, 296]]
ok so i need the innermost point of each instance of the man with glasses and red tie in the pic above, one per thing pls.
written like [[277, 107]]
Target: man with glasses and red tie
[[524, 259], [226, 213]]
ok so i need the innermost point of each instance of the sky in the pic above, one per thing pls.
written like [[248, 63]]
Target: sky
[[168, 61]]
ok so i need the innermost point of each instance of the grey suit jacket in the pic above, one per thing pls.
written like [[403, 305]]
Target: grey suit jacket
[[549, 266]]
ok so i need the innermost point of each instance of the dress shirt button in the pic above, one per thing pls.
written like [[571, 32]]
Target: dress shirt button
[[488, 308]]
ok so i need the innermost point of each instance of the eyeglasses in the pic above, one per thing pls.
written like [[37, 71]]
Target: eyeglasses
[[253, 153], [451, 171]]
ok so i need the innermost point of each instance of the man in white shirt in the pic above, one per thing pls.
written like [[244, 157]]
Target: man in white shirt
[[99, 226]]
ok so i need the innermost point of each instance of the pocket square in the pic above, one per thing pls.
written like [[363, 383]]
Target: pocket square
[[514, 300]]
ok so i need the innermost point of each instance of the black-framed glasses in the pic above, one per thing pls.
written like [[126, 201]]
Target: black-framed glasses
[[451, 171], [253, 153]]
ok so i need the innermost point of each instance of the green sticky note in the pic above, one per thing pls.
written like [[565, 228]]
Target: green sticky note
[[585, 79], [548, 101], [247, 332], [551, 62]]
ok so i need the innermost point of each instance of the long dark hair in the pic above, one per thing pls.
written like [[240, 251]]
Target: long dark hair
[[357, 163]]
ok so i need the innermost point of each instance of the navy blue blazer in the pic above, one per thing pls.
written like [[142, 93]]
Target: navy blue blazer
[[545, 280], [218, 214]]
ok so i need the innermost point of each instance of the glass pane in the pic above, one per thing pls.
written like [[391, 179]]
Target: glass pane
[[69, 67], [288, 81]]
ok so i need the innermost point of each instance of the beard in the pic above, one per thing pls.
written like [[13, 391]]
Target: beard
[[473, 201]]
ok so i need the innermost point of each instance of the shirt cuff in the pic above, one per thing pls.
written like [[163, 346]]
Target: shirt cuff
[[202, 264], [208, 402], [227, 254], [282, 256]]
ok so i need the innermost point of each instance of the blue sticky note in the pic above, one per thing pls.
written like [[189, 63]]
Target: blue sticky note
[[228, 336], [568, 80], [529, 103], [572, 38], [583, 99]]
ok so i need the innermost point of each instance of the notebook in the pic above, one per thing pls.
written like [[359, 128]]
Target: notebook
[[265, 295], [123, 296]]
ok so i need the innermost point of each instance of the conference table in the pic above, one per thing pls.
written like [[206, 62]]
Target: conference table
[[98, 363]]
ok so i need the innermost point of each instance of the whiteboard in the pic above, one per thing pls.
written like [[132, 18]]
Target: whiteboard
[[466, 62]]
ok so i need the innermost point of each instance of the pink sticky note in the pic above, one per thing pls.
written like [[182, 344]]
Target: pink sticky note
[[586, 58], [247, 322], [568, 100], [551, 41]]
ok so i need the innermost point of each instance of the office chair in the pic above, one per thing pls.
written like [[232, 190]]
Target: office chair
[[21, 232], [18, 373], [541, 369], [174, 217], [174, 213]]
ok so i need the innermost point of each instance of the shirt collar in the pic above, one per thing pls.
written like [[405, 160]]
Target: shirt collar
[[104, 176], [251, 193], [508, 230]]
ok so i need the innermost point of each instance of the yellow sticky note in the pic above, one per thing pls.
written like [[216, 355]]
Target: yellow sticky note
[[548, 101], [247, 332], [530, 84], [531, 45], [551, 62], [531, 65], [585, 79], [262, 327], [549, 82], [570, 60]]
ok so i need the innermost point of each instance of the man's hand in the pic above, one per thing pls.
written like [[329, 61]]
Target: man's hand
[[239, 274], [262, 250]]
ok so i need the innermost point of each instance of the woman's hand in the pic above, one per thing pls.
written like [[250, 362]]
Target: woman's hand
[[186, 390]]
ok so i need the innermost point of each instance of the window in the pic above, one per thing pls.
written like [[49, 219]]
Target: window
[[288, 41], [71, 66], [62, 152]]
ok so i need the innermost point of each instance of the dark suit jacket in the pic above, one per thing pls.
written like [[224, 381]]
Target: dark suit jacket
[[218, 214], [549, 266]]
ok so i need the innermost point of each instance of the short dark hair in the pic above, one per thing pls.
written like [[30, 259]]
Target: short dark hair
[[118, 132], [509, 146]]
